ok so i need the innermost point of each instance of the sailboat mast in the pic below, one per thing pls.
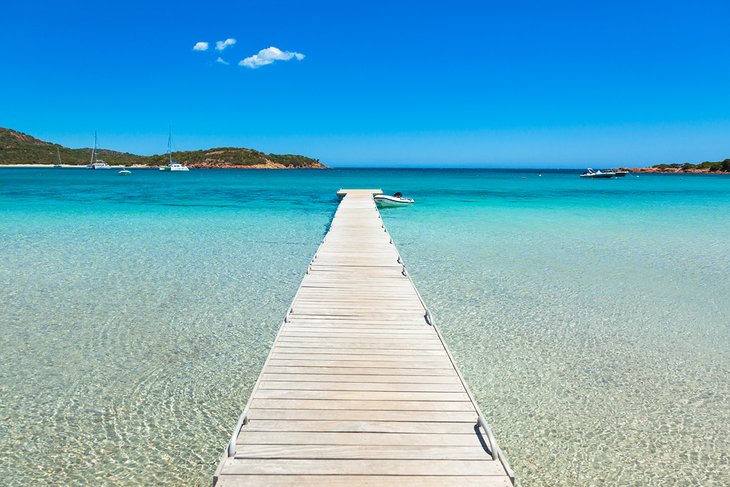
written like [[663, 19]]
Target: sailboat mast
[[93, 151], [58, 153], [169, 145]]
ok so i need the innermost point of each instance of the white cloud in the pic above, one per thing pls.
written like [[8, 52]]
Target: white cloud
[[222, 61], [268, 56], [200, 46], [220, 45]]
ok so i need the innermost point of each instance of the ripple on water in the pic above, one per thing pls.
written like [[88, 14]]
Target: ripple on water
[[589, 320]]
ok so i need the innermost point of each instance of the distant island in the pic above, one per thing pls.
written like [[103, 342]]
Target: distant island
[[719, 167], [17, 148]]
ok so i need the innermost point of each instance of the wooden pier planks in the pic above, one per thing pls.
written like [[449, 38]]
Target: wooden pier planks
[[359, 388]]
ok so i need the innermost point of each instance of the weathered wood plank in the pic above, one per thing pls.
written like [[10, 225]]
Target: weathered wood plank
[[360, 426], [361, 438], [351, 316], [364, 337], [275, 369], [363, 395], [360, 386], [359, 467], [345, 330], [343, 378], [360, 363], [362, 481], [351, 351], [373, 357], [373, 451], [383, 345], [353, 405], [363, 415]]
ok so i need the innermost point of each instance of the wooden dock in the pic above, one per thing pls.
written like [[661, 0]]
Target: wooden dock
[[359, 387]]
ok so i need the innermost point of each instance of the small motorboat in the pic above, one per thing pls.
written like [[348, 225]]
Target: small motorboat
[[125, 172], [386, 201], [591, 174], [619, 172]]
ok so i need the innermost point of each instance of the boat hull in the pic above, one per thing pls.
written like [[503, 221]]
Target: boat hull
[[597, 176], [174, 168], [391, 202]]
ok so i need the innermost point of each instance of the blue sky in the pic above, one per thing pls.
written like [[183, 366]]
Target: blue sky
[[398, 83]]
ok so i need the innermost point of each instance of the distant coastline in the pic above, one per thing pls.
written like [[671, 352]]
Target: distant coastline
[[145, 166], [719, 167], [22, 150], [653, 170]]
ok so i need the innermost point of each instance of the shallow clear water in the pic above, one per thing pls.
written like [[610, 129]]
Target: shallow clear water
[[590, 318]]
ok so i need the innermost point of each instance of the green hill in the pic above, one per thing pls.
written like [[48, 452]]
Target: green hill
[[231, 157], [19, 148]]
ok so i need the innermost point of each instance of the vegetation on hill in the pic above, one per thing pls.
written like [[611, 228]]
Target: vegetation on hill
[[19, 148], [293, 160], [719, 166], [233, 157]]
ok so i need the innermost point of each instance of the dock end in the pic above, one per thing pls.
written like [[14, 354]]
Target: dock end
[[342, 192]]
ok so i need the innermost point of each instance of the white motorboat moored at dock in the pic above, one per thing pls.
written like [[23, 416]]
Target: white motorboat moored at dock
[[386, 201]]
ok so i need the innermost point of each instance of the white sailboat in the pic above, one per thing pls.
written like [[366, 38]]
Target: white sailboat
[[97, 163], [58, 154], [172, 165]]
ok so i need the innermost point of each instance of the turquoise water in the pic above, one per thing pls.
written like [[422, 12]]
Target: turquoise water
[[590, 318]]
